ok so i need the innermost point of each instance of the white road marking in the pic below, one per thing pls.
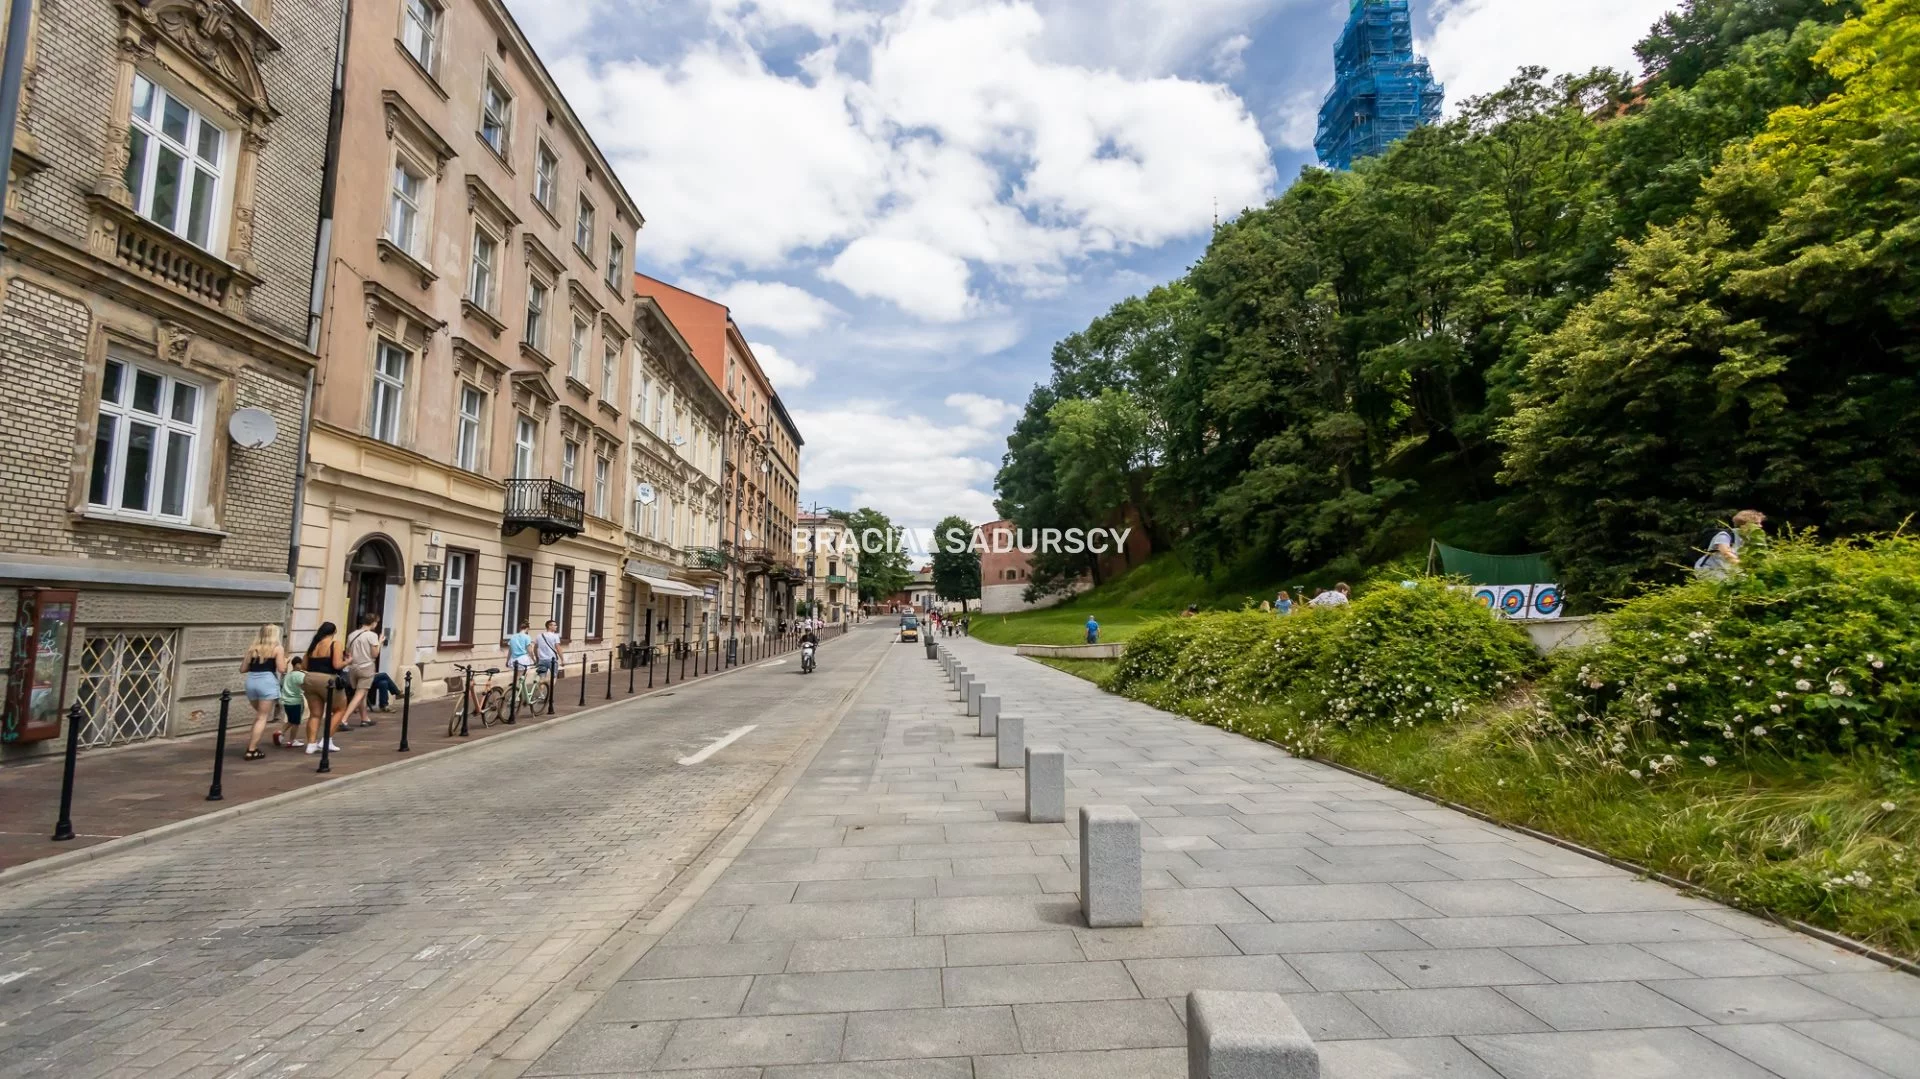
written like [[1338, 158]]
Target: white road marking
[[730, 738], [16, 975]]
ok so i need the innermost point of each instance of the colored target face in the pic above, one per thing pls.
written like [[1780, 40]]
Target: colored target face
[[1513, 601], [1484, 597], [1547, 600]]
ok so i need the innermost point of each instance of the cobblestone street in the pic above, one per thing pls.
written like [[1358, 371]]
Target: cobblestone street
[[399, 924]]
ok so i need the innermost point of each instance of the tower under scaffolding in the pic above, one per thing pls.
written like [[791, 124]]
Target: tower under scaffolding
[[1381, 90]]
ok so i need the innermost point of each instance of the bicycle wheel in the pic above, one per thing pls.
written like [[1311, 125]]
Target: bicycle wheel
[[453, 719], [542, 692], [493, 706]]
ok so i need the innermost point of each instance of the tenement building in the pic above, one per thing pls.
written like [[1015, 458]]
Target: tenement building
[[830, 563], [161, 221], [471, 408], [674, 569]]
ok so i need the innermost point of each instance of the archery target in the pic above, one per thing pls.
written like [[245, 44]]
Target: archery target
[[1546, 601], [1513, 600], [1485, 597]]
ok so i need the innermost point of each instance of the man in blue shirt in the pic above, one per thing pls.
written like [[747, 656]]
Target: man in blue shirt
[[1093, 630]]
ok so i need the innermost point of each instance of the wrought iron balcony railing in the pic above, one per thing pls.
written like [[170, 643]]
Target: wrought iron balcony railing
[[550, 506], [704, 558]]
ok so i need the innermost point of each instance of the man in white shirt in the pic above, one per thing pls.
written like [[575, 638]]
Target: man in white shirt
[[1722, 556], [546, 649], [1336, 597]]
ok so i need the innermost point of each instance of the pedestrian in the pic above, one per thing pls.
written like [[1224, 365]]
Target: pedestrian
[[1722, 554], [1192, 611], [546, 650], [520, 653], [966, 625], [384, 690], [1283, 603], [1337, 596], [1093, 630], [326, 697], [293, 696], [363, 662], [264, 662]]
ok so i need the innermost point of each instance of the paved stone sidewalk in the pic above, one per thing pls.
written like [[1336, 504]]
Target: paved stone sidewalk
[[898, 917]]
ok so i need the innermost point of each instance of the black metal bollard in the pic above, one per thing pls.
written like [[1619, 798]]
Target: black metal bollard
[[683, 662], [583, 679], [326, 727], [406, 711], [466, 697], [631, 665], [220, 748], [650, 658], [609, 674], [63, 828]]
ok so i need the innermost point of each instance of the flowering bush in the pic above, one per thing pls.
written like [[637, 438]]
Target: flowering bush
[[1395, 656], [1811, 648]]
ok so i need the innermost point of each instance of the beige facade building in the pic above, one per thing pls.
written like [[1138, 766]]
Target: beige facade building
[[830, 560], [473, 401], [674, 570], [154, 322]]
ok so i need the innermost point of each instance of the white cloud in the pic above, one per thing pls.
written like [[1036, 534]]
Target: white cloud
[[981, 410], [785, 374], [914, 469], [772, 305], [1297, 120], [1230, 57], [1478, 44], [915, 277]]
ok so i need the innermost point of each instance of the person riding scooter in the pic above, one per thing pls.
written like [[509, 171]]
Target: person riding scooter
[[808, 642]]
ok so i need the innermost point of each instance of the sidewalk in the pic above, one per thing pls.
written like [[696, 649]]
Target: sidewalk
[[127, 790], [898, 917]]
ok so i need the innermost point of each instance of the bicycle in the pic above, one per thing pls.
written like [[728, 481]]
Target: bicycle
[[534, 690], [486, 703]]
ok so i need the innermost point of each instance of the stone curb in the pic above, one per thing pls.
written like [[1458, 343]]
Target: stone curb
[[40, 867]]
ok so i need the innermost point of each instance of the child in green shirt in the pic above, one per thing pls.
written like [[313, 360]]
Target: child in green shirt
[[293, 687]]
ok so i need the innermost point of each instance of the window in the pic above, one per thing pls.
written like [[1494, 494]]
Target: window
[[563, 600], [596, 585], [545, 168], [601, 468], [536, 331], [570, 463], [660, 413], [496, 115], [609, 361], [146, 437], [126, 686], [577, 350], [583, 228], [389, 391], [466, 441], [518, 593], [404, 216], [730, 364], [616, 254], [673, 522], [526, 456], [420, 31], [486, 251], [456, 597], [174, 159]]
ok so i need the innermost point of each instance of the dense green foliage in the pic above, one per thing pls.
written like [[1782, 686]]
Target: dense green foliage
[[1809, 650], [956, 565], [1583, 315], [883, 565]]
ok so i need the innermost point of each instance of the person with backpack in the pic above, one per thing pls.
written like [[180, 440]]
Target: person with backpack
[[1721, 555]]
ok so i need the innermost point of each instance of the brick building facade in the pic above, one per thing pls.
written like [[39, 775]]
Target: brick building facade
[[160, 232]]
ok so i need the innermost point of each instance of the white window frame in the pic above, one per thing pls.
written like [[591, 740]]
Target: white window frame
[[602, 472], [418, 205], [577, 349], [561, 577], [616, 253], [468, 425], [592, 631], [421, 38], [453, 596], [123, 414], [609, 363], [386, 410], [539, 298], [147, 139], [570, 463], [526, 448], [516, 582], [483, 278], [583, 216], [546, 175], [501, 118]]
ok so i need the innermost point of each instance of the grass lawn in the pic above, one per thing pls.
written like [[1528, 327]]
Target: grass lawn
[[1061, 625], [1157, 588], [1768, 834]]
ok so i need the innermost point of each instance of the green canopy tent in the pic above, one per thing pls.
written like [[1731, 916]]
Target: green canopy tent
[[1488, 569]]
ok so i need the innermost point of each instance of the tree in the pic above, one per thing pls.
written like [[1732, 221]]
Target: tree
[[884, 571], [956, 566]]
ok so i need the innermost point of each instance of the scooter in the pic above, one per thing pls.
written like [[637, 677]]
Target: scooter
[[806, 658]]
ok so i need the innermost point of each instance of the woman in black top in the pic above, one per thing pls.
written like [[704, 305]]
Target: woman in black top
[[325, 659]]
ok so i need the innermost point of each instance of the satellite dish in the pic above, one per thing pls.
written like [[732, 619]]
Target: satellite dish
[[252, 428], [644, 493], [679, 440], [747, 534]]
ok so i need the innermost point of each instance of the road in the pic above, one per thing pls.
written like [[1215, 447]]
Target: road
[[402, 923]]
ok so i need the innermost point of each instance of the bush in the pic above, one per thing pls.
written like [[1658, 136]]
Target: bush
[[1397, 655], [1811, 649]]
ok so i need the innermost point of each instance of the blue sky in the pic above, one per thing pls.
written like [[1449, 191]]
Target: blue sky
[[906, 202]]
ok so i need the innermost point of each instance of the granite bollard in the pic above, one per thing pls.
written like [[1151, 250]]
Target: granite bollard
[[1046, 784], [1109, 865], [989, 715], [965, 680], [975, 690], [1234, 1035], [1010, 738]]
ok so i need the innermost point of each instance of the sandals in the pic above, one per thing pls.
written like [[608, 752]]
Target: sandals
[[254, 755]]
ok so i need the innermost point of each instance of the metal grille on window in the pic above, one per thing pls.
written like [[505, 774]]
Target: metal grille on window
[[126, 687]]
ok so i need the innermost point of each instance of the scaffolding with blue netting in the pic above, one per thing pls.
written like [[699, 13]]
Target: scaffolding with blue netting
[[1381, 90]]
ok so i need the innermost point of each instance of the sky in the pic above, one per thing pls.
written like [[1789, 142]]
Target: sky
[[905, 203]]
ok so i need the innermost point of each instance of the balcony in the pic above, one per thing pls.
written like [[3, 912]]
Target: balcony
[[707, 558], [836, 578], [547, 505], [754, 557]]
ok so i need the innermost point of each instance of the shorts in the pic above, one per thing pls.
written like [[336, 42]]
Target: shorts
[[324, 693], [545, 666], [294, 712], [263, 686]]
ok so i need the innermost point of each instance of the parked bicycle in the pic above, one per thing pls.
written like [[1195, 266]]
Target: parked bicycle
[[486, 702], [535, 688]]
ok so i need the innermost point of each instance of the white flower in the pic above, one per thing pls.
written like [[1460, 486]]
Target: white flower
[[1709, 760], [1671, 688], [1634, 772], [1803, 685], [1795, 661], [1774, 708], [1759, 732], [1838, 689], [1888, 806]]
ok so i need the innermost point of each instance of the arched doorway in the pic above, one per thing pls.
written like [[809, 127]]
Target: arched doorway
[[374, 576]]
